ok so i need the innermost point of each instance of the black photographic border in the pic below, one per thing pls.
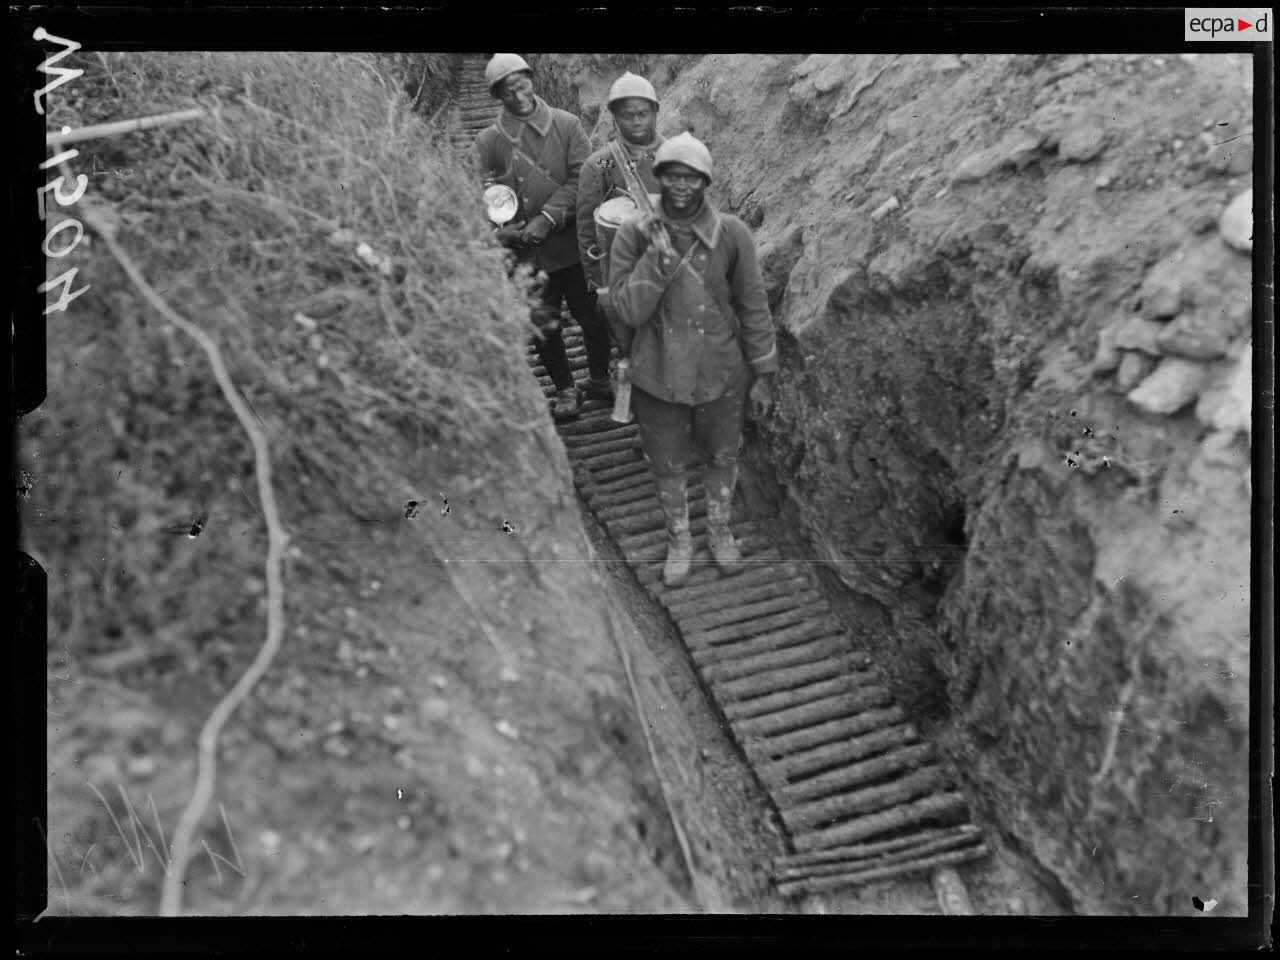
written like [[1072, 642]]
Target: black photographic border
[[453, 27]]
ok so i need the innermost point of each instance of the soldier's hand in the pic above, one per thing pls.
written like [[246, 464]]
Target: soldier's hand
[[651, 226], [654, 229], [510, 234], [762, 396], [536, 230]]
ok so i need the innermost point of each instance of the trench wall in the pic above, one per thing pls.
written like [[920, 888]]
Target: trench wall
[[1014, 412]]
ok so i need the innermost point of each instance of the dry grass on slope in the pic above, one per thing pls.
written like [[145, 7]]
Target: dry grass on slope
[[250, 221], [317, 230]]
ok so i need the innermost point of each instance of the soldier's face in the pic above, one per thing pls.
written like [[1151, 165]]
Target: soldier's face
[[635, 117], [682, 187], [516, 94]]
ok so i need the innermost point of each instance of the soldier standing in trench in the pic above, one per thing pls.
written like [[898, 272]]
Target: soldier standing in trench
[[634, 105], [703, 335], [538, 151]]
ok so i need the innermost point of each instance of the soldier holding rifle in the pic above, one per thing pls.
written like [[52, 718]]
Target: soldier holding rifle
[[703, 340], [634, 105]]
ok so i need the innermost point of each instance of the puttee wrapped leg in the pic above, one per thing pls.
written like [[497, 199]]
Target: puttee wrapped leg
[[720, 481], [673, 495]]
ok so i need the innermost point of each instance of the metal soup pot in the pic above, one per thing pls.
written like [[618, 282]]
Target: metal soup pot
[[609, 216]]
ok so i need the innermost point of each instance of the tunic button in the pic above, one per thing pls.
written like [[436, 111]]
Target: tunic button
[[702, 307]]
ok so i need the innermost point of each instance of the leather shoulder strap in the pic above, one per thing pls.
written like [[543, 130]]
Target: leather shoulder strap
[[726, 307], [534, 164]]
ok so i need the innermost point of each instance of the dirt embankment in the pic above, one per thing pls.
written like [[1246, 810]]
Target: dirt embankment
[[1014, 410], [448, 726]]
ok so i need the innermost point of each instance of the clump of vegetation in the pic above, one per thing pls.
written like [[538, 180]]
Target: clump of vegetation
[[328, 241], [426, 78]]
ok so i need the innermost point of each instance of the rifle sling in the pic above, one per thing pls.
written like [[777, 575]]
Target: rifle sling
[[702, 281]]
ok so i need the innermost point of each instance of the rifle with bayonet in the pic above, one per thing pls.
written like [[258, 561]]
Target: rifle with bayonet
[[658, 235], [640, 196]]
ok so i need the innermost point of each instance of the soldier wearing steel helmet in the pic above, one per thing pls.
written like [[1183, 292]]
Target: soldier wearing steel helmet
[[538, 151], [704, 340], [634, 105]]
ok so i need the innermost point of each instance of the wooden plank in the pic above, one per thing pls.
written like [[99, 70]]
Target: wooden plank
[[798, 740], [922, 845], [615, 459], [597, 448], [641, 524], [897, 869], [848, 681], [649, 568], [885, 731], [608, 475], [742, 630], [710, 573], [635, 484], [822, 648], [818, 814], [858, 774], [696, 527], [748, 577], [588, 439], [937, 806], [736, 594], [778, 680], [854, 852], [843, 704], [803, 632], [589, 423]]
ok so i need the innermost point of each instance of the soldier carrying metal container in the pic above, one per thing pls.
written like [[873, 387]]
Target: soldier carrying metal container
[[538, 150], [602, 185], [703, 338]]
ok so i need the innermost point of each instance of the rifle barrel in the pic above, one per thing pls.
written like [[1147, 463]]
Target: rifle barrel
[[640, 196]]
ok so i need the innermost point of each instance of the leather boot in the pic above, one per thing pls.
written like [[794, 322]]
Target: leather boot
[[673, 495], [566, 405], [600, 389], [720, 482]]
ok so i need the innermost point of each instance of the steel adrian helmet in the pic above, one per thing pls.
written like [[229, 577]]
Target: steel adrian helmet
[[687, 149], [632, 85], [502, 66]]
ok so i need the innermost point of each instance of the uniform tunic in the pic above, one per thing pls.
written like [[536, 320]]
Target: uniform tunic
[[554, 140], [601, 180], [695, 338]]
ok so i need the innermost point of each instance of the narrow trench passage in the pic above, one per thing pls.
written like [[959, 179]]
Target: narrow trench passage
[[807, 786], [918, 853], [732, 827], [860, 797], [729, 825]]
